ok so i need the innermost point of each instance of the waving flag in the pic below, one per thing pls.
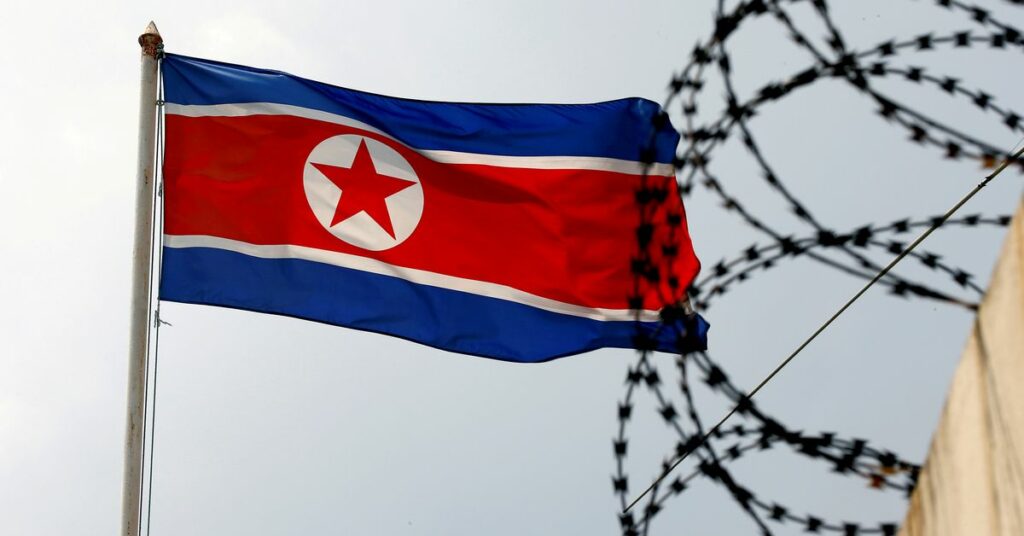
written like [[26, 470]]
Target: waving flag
[[504, 231]]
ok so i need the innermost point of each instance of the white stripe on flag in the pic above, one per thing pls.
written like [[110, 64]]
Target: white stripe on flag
[[446, 157]]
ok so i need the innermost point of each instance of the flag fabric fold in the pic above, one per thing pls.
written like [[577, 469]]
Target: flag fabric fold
[[501, 230]]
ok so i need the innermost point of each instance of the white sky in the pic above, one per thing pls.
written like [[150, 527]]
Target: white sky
[[273, 426]]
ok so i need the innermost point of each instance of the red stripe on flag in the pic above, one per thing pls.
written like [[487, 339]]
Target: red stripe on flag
[[567, 235]]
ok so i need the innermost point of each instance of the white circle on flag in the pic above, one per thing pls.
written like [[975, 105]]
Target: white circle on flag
[[404, 208]]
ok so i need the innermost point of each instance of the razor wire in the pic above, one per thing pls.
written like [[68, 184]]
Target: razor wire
[[846, 251]]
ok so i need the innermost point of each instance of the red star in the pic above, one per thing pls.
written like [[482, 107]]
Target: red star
[[363, 189]]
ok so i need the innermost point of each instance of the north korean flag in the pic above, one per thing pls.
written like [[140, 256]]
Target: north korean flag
[[501, 230]]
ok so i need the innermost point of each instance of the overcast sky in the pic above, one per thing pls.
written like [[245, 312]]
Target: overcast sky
[[274, 426]]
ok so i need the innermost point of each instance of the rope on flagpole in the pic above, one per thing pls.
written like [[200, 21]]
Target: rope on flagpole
[[153, 318], [156, 261]]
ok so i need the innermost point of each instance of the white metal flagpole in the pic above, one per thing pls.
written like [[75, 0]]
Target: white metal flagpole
[[131, 495]]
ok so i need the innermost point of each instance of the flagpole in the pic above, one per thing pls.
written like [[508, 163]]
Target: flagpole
[[131, 492]]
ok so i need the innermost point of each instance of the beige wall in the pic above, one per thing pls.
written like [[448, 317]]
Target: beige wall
[[973, 479]]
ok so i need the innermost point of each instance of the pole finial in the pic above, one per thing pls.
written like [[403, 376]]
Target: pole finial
[[150, 40]]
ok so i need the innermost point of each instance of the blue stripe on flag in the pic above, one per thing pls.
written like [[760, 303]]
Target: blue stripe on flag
[[442, 318], [613, 129]]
